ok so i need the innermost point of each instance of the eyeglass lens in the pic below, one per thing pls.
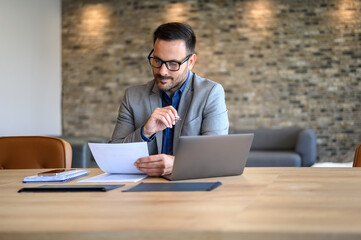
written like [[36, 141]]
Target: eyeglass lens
[[171, 65]]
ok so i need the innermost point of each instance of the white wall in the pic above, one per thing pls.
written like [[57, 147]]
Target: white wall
[[30, 67]]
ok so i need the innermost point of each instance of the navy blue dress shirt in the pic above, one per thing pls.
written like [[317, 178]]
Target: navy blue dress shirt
[[168, 133]]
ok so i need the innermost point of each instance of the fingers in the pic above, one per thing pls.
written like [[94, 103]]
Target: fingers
[[156, 172], [150, 159], [150, 162], [174, 112], [160, 119], [168, 115], [155, 165], [166, 118], [154, 168]]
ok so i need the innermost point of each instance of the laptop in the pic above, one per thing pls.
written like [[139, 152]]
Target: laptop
[[210, 156]]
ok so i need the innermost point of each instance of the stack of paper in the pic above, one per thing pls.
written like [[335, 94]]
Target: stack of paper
[[114, 177], [59, 177]]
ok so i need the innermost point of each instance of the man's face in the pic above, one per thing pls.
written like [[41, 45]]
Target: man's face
[[171, 81]]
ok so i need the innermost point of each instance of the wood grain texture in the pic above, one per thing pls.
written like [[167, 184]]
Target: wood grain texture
[[272, 203]]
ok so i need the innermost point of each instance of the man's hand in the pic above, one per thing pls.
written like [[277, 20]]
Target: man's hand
[[160, 119], [156, 165]]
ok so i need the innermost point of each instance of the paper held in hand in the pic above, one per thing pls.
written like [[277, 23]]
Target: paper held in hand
[[118, 160]]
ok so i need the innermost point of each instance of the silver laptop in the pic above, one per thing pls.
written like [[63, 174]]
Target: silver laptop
[[210, 156]]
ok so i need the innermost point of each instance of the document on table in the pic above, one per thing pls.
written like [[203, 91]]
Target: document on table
[[114, 177], [117, 161]]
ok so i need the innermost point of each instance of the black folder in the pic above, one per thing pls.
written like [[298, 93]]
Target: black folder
[[71, 188], [174, 187]]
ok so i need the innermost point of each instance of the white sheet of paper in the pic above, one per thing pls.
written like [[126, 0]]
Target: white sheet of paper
[[118, 157], [113, 177]]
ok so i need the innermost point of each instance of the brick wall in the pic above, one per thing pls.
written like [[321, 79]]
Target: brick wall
[[282, 63]]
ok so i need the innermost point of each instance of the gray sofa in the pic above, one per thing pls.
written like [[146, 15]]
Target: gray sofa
[[285, 147]]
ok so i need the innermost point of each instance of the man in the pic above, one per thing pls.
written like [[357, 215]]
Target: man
[[175, 103]]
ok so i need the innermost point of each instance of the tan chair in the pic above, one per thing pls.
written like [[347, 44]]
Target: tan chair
[[357, 159], [34, 152]]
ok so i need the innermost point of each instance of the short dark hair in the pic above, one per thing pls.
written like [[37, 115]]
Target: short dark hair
[[176, 31]]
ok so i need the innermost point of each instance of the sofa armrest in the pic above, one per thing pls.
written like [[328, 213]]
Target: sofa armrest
[[306, 147]]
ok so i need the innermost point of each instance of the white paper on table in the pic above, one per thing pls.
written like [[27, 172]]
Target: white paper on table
[[114, 177], [118, 157]]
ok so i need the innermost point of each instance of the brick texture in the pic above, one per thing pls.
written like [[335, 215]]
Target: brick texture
[[282, 62]]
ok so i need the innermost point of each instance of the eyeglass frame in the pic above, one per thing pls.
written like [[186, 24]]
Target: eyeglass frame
[[165, 62]]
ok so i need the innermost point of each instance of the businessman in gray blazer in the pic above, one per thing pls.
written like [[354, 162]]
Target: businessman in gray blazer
[[175, 103]]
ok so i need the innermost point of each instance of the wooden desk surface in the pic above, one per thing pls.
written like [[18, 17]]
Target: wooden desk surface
[[263, 203]]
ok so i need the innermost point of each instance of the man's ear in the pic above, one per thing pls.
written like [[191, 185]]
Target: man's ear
[[192, 61]]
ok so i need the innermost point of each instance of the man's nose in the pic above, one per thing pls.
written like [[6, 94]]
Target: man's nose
[[163, 70]]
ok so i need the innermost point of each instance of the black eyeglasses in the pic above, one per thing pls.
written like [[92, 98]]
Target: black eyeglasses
[[171, 65]]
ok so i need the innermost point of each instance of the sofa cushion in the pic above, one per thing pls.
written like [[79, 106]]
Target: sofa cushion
[[273, 159], [273, 139]]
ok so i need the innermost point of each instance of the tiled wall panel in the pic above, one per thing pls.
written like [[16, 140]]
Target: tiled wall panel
[[282, 62]]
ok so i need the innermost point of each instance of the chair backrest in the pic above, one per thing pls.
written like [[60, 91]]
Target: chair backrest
[[357, 159], [34, 152]]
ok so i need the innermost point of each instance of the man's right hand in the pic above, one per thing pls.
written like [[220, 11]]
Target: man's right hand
[[160, 119]]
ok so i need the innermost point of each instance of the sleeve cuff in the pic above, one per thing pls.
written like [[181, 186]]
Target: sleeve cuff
[[144, 137]]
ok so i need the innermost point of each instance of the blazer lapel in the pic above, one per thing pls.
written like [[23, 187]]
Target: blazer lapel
[[156, 102], [183, 107]]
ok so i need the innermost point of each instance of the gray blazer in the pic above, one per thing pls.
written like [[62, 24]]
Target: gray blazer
[[202, 110]]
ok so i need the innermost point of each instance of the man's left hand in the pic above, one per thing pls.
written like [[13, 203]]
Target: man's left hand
[[155, 165]]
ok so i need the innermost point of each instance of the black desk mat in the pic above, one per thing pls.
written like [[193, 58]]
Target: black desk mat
[[71, 188], [174, 187]]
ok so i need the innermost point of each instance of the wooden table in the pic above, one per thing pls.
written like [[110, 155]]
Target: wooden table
[[263, 203]]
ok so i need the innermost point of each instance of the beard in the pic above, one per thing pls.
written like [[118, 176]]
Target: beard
[[170, 84]]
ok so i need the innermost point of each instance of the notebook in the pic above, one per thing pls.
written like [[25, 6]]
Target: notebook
[[60, 177], [210, 156]]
